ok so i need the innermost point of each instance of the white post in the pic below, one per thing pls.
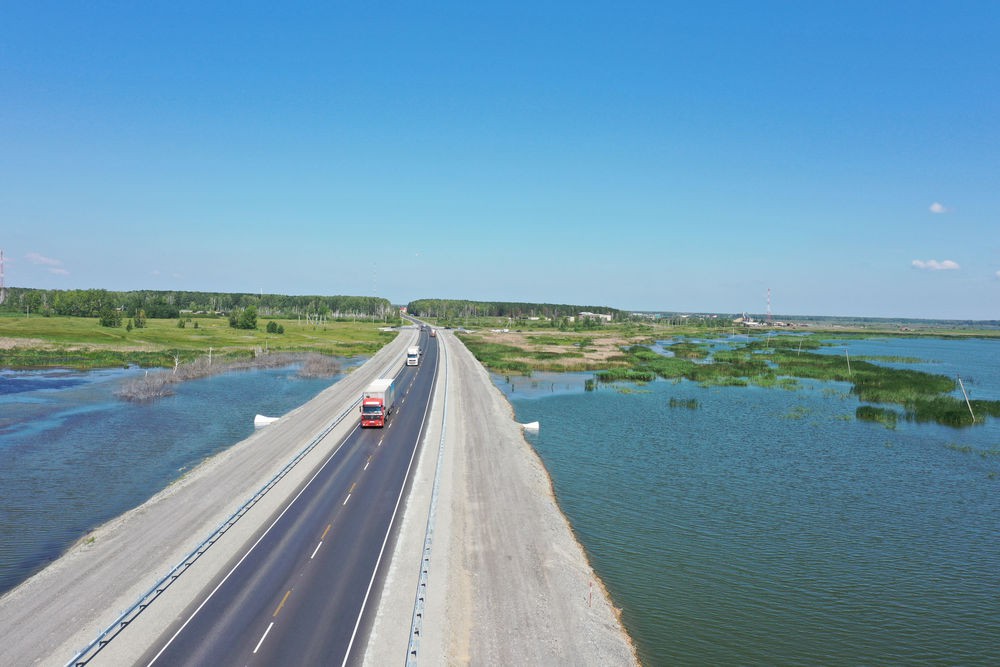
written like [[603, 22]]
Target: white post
[[848, 363], [967, 402]]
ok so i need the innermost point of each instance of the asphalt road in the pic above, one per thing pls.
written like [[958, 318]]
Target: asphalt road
[[301, 593]]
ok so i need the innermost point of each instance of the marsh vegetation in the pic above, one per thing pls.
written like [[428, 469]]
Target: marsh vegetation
[[767, 361]]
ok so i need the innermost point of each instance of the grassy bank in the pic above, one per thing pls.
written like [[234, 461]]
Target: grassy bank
[[76, 342]]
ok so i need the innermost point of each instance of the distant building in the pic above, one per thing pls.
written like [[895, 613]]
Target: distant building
[[595, 316]]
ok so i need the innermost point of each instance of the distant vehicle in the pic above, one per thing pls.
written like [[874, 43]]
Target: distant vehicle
[[377, 402], [413, 356], [423, 327], [433, 333]]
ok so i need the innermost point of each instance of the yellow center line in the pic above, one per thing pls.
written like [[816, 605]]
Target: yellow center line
[[328, 527], [282, 603]]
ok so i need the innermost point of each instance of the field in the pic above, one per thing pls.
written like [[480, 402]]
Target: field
[[78, 342]]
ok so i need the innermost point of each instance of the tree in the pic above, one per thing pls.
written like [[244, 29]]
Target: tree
[[140, 319], [110, 317], [245, 318]]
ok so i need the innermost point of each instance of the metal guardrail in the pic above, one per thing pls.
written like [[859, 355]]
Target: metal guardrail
[[104, 638], [417, 624]]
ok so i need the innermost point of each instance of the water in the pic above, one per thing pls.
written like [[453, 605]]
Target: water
[[73, 455], [770, 527]]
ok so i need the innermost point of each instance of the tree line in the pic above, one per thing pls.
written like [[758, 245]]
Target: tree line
[[171, 304], [458, 309]]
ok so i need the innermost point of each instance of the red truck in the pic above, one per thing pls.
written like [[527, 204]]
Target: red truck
[[377, 402]]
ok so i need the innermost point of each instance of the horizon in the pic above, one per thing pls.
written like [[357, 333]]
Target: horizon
[[662, 311], [671, 159]]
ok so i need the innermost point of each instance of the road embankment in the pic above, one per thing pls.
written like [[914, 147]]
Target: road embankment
[[60, 610], [507, 581]]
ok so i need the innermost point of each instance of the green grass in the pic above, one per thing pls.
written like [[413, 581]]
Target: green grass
[[625, 375], [498, 357], [76, 342], [885, 416], [688, 350]]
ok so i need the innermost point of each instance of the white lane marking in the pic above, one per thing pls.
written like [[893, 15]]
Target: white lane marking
[[269, 626], [395, 511], [346, 499], [316, 549], [319, 471], [367, 462]]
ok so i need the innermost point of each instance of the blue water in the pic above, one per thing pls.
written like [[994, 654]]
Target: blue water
[[770, 527], [981, 376], [73, 455]]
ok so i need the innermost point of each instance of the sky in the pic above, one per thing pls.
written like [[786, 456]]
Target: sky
[[843, 156]]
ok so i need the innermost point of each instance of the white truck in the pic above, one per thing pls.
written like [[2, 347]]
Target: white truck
[[413, 356]]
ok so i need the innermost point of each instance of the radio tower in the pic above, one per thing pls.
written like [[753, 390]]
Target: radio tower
[[3, 288], [770, 320]]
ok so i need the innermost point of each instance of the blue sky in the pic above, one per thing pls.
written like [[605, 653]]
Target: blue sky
[[645, 156]]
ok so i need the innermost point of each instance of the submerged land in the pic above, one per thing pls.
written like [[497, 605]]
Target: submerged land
[[615, 346], [759, 356]]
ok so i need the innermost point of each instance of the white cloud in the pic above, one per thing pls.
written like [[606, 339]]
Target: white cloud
[[35, 258], [934, 265], [937, 207], [55, 265]]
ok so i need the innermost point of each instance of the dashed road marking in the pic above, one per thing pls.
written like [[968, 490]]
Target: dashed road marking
[[257, 647]]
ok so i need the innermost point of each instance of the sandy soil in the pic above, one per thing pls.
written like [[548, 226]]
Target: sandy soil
[[599, 348]]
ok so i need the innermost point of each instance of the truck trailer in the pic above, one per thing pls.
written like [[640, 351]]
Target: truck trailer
[[377, 402], [413, 356]]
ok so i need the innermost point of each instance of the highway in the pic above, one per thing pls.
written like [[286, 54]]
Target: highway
[[305, 591]]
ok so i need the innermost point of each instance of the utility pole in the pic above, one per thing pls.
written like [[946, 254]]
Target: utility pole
[[3, 287]]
